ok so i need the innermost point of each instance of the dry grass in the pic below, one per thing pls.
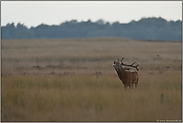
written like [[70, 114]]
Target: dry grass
[[73, 80]]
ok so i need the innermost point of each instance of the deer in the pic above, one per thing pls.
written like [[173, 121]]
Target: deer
[[127, 76]]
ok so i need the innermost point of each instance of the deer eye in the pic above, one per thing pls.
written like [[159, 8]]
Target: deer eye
[[114, 62]]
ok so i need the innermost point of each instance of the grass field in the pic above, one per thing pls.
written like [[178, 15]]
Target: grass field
[[73, 80]]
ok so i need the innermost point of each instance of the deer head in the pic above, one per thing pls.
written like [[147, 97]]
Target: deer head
[[117, 66]]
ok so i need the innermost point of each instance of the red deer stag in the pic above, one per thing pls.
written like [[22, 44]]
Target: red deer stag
[[125, 75]]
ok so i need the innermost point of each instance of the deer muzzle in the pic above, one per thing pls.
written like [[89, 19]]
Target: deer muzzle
[[114, 64]]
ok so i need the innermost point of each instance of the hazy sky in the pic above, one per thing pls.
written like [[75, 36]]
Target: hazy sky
[[33, 13]]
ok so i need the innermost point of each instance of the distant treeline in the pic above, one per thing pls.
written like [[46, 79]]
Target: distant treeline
[[144, 29]]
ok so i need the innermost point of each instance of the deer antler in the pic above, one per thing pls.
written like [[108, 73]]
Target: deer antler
[[122, 59], [131, 64]]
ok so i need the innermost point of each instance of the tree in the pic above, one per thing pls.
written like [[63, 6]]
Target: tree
[[144, 29]]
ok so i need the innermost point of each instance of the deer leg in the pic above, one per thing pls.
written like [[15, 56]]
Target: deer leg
[[136, 84], [131, 86], [125, 86]]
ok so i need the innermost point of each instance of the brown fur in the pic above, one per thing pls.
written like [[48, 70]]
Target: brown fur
[[127, 77]]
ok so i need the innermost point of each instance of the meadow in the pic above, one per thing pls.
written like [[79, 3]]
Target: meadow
[[74, 80]]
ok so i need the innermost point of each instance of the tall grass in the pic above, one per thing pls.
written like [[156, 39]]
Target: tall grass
[[82, 85], [89, 98]]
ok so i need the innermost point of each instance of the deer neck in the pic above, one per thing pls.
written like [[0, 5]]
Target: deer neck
[[121, 73]]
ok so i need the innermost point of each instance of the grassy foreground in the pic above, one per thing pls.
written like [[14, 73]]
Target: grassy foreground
[[73, 80]]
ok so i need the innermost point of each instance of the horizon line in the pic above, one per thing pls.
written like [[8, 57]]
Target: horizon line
[[16, 23]]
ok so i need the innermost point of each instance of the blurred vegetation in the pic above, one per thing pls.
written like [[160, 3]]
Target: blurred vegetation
[[144, 29]]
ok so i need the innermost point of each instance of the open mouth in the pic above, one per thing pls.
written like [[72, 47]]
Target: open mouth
[[114, 64]]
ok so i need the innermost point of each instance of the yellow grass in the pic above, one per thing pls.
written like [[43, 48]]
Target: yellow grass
[[73, 80]]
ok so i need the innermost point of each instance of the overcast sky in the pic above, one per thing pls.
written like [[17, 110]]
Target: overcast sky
[[34, 13]]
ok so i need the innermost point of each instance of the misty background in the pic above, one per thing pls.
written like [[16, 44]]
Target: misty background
[[144, 29]]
